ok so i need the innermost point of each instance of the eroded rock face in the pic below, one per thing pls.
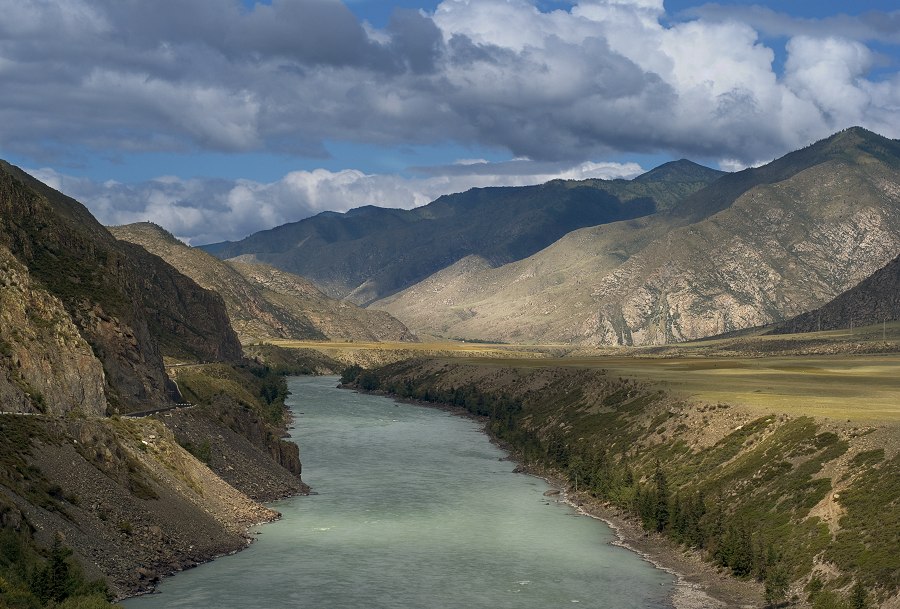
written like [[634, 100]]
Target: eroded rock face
[[778, 251], [128, 305], [45, 364]]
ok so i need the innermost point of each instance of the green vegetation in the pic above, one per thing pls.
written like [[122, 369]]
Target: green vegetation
[[33, 578], [203, 451], [746, 501], [17, 474], [285, 361], [256, 388]]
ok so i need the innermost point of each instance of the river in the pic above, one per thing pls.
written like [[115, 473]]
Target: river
[[416, 510]]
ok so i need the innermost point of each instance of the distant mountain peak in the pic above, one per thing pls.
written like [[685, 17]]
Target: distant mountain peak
[[855, 140], [681, 170]]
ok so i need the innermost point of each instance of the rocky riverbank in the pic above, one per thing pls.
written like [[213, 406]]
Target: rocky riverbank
[[699, 584]]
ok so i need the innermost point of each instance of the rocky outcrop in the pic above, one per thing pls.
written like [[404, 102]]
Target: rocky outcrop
[[45, 364], [129, 306]]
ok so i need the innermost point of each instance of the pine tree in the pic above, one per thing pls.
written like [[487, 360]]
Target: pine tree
[[859, 598], [53, 582], [662, 499], [776, 583]]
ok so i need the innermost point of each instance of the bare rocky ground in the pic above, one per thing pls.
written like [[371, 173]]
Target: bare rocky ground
[[135, 506]]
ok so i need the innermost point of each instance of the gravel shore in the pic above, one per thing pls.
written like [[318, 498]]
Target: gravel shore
[[699, 584]]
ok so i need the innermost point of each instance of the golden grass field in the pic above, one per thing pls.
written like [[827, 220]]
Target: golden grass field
[[861, 388]]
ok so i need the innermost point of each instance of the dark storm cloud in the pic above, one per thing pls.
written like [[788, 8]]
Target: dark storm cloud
[[111, 76]]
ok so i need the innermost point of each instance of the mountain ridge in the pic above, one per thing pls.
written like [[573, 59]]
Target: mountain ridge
[[371, 252], [265, 303], [751, 248]]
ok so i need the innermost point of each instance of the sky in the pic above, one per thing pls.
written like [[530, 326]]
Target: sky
[[220, 118]]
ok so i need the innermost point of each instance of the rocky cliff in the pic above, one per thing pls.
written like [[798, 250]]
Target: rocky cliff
[[45, 363], [128, 305], [85, 321]]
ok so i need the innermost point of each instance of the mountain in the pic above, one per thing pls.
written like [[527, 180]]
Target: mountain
[[874, 300], [88, 319], [85, 322], [751, 248], [371, 252], [264, 302]]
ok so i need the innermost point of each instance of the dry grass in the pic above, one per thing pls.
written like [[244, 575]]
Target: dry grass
[[858, 388], [863, 388], [442, 348]]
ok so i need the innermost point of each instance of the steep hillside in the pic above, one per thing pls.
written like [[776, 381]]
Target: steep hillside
[[45, 363], [85, 321], [754, 247], [128, 305], [371, 252], [874, 300], [262, 302]]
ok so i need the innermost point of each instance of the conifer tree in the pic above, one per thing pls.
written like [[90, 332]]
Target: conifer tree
[[662, 499]]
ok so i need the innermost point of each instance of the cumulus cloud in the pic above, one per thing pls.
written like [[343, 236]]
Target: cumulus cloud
[[876, 26], [600, 77], [207, 211]]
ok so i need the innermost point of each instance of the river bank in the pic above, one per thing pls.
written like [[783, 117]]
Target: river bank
[[699, 583]]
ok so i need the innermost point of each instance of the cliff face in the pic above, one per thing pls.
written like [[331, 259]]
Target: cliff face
[[45, 364], [85, 321], [129, 306]]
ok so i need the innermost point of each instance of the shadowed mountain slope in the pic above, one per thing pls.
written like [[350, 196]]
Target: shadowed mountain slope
[[264, 302], [371, 252], [752, 248], [874, 300]]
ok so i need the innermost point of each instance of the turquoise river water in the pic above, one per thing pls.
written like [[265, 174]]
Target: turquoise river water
[[416, 510]]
